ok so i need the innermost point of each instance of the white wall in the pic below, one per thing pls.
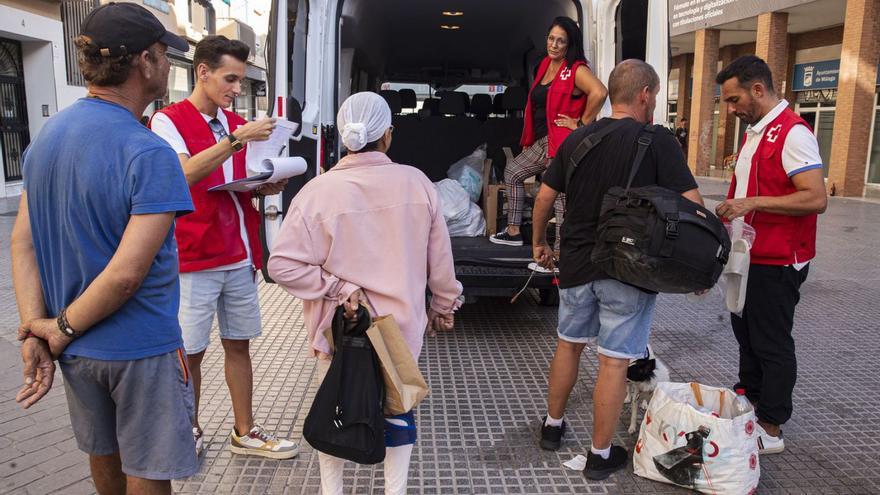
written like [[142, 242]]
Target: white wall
[[45, 77]]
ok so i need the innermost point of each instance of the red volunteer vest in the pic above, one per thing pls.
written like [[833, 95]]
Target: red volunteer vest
[[210, 237], [559, 100], [779, 239]]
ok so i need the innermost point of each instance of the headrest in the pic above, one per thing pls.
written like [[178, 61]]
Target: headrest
[[408, 98], [481, 105], [497, 103], [393, 99], [432, 105], [453, 103], [514, 98]]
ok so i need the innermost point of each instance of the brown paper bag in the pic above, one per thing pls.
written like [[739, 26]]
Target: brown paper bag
[[405, 387]]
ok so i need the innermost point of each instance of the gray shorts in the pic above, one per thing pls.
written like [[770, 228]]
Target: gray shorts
[[142, 409], [230, 294]]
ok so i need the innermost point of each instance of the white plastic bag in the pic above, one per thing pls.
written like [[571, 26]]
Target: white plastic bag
[[694, 436], [463, 218], [472, 225], [469, 172]]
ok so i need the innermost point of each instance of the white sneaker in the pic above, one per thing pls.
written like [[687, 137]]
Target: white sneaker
[[768, 444], [262, 443], [535, 267], [197, 436]]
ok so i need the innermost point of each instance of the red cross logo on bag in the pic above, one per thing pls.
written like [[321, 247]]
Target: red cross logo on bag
[[565, 74], [750, 427], [773, 133]]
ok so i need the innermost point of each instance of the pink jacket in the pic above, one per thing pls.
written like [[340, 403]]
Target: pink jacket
[[372, 224]]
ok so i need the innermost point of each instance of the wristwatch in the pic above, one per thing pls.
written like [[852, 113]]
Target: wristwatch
[[64, 326], [237, 145]]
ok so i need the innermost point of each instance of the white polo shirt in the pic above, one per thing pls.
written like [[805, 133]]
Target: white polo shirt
[[162, 125], [800, 153]]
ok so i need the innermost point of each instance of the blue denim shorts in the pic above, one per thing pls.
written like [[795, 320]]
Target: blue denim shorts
[[229, 294], [616, 316]]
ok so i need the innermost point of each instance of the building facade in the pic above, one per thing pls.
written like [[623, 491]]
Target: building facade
[[39, 74], [824, 55]]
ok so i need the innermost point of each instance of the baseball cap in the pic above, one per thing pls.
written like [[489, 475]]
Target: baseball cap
[[126, 28]]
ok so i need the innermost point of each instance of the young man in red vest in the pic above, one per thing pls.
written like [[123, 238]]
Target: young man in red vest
[[219, 244], [779, 189]]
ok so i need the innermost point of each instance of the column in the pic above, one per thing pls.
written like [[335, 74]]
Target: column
[[726, 121], [855, 97], [685, 69], [772, 46], [703, 103]]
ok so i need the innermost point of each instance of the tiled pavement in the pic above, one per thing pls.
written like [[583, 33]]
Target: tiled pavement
[[478, 428]]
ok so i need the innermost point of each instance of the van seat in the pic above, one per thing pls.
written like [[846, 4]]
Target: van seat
[[408, 99], [453, 103], [432, 105], [481, 106], [514, 99], [393, 98], [497, 104]]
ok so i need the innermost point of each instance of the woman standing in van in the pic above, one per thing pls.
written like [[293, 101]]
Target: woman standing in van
[[368, 230], [565, 96]]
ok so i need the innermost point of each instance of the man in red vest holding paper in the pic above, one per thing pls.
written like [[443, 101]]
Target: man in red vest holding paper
[[779, 189], [219, 244]]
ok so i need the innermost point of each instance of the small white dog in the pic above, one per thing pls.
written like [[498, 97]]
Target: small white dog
[[642, 377]]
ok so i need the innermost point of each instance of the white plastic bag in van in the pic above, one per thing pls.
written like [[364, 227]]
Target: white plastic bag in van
[[469, 172], [463, 218]]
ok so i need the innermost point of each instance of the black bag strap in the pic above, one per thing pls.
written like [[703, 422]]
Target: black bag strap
[[645, 138], [585, 146]]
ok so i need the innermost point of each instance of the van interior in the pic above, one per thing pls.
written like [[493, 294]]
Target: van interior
[[437, 63], [445, 45]]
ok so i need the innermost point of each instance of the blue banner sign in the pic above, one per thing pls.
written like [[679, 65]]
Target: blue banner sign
[[818, 75]]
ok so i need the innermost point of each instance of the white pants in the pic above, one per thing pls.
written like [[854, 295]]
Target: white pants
[[396, 463], [396, 471]]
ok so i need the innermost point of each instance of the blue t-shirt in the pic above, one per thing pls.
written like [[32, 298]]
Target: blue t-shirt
[[91, 167]]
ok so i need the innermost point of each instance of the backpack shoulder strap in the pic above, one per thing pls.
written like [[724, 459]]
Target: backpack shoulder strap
[[646, 136], [583, 148]]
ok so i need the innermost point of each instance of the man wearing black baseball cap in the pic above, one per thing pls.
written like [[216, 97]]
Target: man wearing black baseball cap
[[126, 29], [96, 276]]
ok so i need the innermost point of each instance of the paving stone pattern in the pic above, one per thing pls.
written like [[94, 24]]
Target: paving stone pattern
[[479, 427]]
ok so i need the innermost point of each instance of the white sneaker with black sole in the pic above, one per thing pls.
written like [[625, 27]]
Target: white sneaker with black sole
[[768, 444], [506, 239]]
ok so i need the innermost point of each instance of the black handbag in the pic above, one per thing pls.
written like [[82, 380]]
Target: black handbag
[[346, 418], [656, 239]]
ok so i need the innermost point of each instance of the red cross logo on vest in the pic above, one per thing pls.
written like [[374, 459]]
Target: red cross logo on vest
[[565, 74], [773, 133]]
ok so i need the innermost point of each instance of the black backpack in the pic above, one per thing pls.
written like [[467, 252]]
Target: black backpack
[[654, 238], [346, 418]]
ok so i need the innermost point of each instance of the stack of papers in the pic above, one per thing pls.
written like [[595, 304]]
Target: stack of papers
[[265, 165]]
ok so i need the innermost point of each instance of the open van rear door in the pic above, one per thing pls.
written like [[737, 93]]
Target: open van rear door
[[286, 60]]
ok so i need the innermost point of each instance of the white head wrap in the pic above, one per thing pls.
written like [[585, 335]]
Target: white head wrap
[[362, 119]]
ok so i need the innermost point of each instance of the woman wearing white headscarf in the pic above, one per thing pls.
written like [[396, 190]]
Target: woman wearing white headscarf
[[368, 229]]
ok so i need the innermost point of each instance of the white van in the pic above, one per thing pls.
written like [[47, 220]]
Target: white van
[[321, 51]]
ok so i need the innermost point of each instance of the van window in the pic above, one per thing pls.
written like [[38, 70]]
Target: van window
[[473, 89]]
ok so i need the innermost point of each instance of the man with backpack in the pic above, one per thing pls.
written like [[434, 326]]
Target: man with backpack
[[594, 307], [778, 188]]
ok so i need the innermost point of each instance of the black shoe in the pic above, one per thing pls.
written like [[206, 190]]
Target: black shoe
[[599, 468], [505, 238], [551, 436]]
